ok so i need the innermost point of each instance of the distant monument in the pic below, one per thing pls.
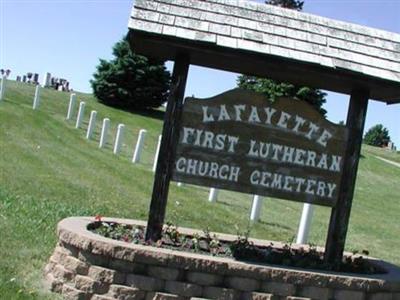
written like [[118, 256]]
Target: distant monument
[[58, 84], [5, 73]]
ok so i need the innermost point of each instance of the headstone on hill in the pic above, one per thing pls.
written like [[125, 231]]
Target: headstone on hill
[[81, 112], [46, 79], [71, 106], [104, 133], [256, 208], [292, 152], [18, 79], [119, 138], [24, 78], [36, 78], [212, 195], [5, 73], [2, 87], [157, 153], [92, 124], [305, 223], [36, 100], [139, 146]]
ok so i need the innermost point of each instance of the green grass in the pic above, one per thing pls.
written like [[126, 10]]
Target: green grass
[[391, 155], [49, 171]]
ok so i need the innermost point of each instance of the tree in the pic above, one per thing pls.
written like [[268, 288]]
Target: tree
[[274, 89], [377, 136], [130, 81], [292, 4]]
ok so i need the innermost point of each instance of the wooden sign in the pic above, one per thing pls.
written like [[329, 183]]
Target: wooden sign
[[241, 141]]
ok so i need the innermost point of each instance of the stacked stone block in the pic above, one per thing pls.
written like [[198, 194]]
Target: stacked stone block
[[85, 266]]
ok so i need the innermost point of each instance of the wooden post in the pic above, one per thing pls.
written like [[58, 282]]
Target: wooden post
[[341, 212], [170, 137]]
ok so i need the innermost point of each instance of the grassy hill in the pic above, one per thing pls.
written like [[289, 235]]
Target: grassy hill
[[49, 171]]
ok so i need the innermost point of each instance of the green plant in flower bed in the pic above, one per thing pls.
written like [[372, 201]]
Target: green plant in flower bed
[[116, 231], [241, 249], [171, 238]]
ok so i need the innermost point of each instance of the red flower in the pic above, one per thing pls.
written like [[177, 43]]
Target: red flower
[[97, 218]]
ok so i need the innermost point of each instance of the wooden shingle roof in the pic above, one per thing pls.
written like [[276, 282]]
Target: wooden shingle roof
[[264, 40]]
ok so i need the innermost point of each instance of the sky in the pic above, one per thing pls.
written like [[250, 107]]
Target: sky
[[67, 38]]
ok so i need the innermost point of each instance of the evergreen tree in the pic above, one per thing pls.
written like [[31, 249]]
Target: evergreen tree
[[377, 136], [274, 89], [292, 4], [130, 81]]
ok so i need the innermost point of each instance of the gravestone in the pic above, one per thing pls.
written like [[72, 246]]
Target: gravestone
[[71, 106], [36, 78], [139, 146], [119, 138], [104, 133], [36, 100], [92, 124], [157, 154], [18, 79], [81, 113], [46, 79], [2, 86], [256, 208]]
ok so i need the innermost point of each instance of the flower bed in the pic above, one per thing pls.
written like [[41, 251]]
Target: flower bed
[[242, 248], [86, 265]]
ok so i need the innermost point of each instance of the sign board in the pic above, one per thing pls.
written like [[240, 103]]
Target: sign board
[[241, 141]]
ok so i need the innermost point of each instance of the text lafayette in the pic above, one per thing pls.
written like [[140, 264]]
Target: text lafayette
[[268, 116]]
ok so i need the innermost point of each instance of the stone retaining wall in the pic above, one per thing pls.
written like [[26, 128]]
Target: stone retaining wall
[[86, 266]]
